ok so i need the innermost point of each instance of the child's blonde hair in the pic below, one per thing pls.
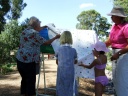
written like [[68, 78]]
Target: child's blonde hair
[[66, 37]]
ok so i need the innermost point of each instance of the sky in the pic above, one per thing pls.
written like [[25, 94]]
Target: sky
[[63, 13]]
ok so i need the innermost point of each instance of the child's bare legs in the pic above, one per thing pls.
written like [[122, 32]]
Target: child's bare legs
[[99, 88]]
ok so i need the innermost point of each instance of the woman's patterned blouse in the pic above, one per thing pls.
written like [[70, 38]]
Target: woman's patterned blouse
[[29, 48]]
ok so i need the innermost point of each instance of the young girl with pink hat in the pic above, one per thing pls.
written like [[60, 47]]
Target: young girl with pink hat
[[99, 63]]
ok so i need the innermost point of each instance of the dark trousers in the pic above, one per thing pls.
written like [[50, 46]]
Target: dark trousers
[[28, 75]]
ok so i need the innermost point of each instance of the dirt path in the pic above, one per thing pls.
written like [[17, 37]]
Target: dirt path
[[10, 83]]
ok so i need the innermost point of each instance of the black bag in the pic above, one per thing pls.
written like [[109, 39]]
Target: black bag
[[37, 68]]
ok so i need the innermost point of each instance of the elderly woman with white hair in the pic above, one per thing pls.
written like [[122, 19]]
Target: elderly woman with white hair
[[118, 39], [28, 55]]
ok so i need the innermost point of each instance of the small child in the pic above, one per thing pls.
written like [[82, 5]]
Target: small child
[[66, 58], [99, 63]]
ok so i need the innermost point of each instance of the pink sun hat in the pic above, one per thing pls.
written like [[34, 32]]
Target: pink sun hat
[[101, 46]]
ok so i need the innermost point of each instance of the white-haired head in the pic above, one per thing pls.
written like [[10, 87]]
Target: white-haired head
[[33, 21]]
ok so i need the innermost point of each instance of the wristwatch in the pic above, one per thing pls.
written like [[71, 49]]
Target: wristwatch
[[119, 53]]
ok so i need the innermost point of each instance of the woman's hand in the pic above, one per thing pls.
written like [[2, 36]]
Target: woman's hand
[[57, 36], [51, 40], [115, 56], [44, 26]]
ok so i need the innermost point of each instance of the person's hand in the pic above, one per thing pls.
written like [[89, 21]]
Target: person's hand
[[44, 26], [57, 36], [115, 56], [81, 64]]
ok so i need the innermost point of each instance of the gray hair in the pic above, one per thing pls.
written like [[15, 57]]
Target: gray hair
[[33, 21]]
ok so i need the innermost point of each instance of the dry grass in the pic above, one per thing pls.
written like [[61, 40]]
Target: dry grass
[[10, 83]]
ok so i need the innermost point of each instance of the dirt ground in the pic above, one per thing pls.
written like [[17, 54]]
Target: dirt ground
[[10, 83]]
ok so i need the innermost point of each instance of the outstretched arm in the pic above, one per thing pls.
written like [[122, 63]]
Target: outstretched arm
[[51, 40], [107, 42], [88, 66]]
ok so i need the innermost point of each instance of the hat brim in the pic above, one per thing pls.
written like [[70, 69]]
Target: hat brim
[[110, 14], [107, 50]]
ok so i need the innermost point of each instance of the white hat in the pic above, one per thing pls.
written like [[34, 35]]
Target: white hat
[[117, 11], [101, 46]]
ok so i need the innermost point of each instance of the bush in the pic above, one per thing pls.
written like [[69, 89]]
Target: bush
[[109, 67], [9, 41], [4, 69]]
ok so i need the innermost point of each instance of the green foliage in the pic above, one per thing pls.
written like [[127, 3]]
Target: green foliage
[[109, 55], [92, 20], [16, 8], [4, 69], [4, 9], [9, 32], [24, 24], [10, 9], [109, 67], [9, 40]]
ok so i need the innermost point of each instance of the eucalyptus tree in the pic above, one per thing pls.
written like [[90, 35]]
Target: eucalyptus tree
[[10, 9], [92, 20], [16, 9], [9, 39], [4, 9]]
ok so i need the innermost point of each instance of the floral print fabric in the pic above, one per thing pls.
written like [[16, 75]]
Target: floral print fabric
[[29, 48]]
